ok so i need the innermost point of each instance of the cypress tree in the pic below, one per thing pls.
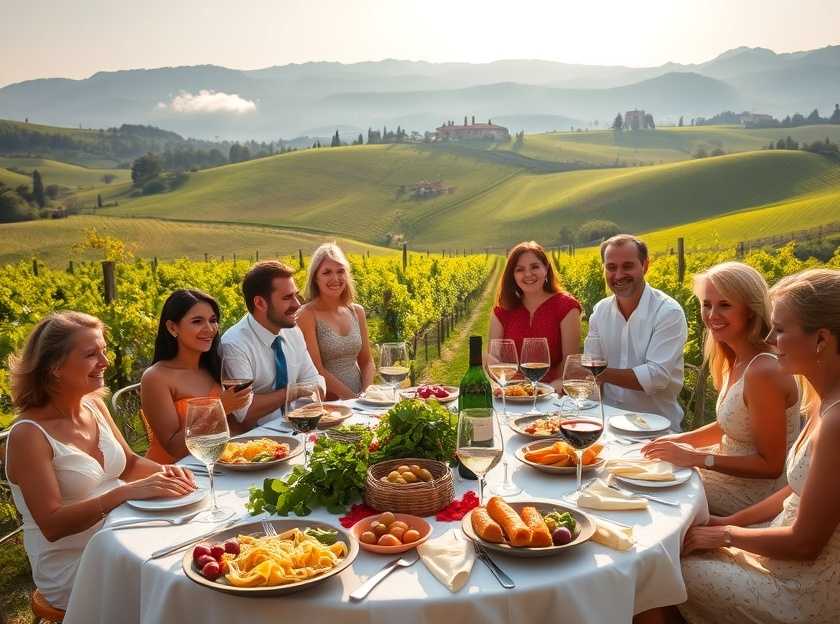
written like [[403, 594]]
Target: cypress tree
[[38, 189]]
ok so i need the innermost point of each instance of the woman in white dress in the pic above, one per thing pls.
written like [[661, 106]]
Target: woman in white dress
[[737, 569], [741, 455], [66, 461]]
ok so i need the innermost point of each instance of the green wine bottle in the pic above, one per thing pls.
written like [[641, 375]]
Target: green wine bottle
[[475, 391]]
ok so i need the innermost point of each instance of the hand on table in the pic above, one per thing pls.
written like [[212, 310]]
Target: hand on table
[[705, 538], [677, 453], [170, 482]]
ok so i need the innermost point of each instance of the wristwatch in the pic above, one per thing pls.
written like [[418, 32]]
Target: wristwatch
[[709, 461]]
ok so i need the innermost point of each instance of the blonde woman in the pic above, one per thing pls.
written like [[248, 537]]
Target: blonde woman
[[741, 455], [67, 463], [335, 328], [738, 572]]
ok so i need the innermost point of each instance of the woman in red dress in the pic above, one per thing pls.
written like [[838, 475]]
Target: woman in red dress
[[531, 304]]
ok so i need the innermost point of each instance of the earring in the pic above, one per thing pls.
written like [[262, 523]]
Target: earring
[[174, 335]]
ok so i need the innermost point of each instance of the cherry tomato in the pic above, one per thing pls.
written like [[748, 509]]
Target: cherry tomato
[[200, 550], [232, 547], [217, 551], [211, 571]]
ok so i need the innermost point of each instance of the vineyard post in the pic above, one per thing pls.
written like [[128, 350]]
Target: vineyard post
[[405, 255], [234, 259], [680, 260], [109, 280], [426, 345], [70, 268], [740, 252], [154, 265], [300, 259], [258, 255], [205, 256], [437, 335], [35, 267], [223, 258]]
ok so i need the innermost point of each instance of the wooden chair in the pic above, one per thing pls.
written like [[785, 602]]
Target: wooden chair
[[125, 406]]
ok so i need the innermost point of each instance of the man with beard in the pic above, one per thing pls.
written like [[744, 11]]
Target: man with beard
[[266, 345], [641, 332]]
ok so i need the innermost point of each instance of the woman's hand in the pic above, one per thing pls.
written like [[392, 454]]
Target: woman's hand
[[720, 520], [705, 538], [164, 484], [179, 472], [677, 453], [233, 400]]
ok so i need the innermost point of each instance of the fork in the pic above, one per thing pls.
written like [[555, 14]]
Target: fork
[[628, 493], [364, 589], [132, 523], [269, 529]]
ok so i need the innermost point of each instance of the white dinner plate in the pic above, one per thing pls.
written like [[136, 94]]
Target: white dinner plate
[[375, 400], [648, 424], [681, 475], [162, 504]]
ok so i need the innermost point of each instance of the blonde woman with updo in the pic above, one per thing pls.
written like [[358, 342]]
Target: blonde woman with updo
[[740, 569], [66, 461], [334, 326], [741, 455]]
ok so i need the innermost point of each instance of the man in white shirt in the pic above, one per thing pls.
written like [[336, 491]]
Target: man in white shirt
[[266, 345], [641, 333]]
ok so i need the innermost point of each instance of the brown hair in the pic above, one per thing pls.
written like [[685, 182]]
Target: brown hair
[[259, 280], [46, 348], [333, 252], [508, 294], [622, 239]]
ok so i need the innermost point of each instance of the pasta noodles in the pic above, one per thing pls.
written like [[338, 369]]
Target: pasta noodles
[[290, 557], [259, 450]]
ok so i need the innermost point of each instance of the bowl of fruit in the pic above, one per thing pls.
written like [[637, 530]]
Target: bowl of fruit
[[390, 533]]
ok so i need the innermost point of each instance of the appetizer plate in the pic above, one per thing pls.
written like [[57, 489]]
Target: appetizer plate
[[336, 413], [255, 528], [681, 475], [164, 504], [519, 423], [634, 422], [295, 449], [544, 392], [378, 397], [411, 393], [585, 530], [562, 470], [414, 522]]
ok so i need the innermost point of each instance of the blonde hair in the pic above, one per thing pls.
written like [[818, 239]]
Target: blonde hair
[[814, 296], [739, 283], [46, 349], [332, 252]]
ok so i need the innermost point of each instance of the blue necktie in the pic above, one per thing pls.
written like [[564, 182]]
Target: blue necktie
[[281, 374]]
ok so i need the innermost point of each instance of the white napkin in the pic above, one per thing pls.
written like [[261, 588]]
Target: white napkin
[[644, 469], [379, 393], [449, 559], [612, 536], [600, 496]]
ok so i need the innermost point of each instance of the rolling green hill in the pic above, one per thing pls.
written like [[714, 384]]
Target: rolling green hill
[[12, 179], [61, 173], [52, 240]]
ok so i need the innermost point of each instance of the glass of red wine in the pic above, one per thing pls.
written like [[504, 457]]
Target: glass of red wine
[[534, 362], [581, 432], [304, 411], [595, 364], [236, 374]]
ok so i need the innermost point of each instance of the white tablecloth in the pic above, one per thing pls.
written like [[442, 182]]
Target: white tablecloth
[[589, 583]]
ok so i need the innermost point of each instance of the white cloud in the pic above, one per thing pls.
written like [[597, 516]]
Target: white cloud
[[209, 102]]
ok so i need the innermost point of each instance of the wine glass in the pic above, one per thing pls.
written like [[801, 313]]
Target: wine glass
[[239, 379], [206, 433], [582, 432], [304, 410], [393, 364], [594, 363], [534, 362], [502, 364], [480, 443], [578, 380]]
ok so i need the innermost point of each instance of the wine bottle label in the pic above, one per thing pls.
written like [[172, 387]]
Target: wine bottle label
[[482, 429]]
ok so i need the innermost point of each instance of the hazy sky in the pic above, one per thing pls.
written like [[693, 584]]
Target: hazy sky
[[74, 39]]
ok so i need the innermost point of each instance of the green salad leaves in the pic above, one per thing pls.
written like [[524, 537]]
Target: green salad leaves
[[422, 429]]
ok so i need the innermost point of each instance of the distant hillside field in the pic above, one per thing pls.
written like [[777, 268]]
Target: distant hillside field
[[64, 174], [52, 240]]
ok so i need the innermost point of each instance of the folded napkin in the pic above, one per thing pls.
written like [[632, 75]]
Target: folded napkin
[[612, 536], [449, 559], [599, 496], [644, 469], [379, 393]]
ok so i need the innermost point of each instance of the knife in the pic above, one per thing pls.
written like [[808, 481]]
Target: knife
[[504, 580], [163, 552]]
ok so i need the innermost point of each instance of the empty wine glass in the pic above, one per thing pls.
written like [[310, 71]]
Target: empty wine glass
[[480, 444], [534, 362], [502, 364], [206, 433], [304, 410], [393, 364]]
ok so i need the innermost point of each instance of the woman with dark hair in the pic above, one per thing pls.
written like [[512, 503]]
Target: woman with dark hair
[[186, 364], [531, 304]]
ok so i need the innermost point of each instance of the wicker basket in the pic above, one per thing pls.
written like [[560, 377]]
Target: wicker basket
[[420, 499]]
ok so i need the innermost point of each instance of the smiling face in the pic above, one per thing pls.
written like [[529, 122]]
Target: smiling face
[[529, 273], [280, 311], [83, 370], [331, 279], [727, 319], [197, 329], [624, 271], [796, 347]]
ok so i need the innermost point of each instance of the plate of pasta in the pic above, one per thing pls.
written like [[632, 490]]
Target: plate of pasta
[[243, 560], [248, 453]]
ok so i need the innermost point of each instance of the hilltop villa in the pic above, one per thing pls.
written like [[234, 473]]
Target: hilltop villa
[[449, 131]]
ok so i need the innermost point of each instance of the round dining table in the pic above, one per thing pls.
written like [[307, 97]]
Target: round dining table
[[118, 582]]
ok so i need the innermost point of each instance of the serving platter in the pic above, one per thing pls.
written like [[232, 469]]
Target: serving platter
[[411, 393], [560, 470], [295, 449], [544, 392]]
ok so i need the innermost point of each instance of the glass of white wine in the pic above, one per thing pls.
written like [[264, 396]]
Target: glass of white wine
[[393, 364], [578, 380], [206, 433], [480, 443], [502, 364], [534, 362]]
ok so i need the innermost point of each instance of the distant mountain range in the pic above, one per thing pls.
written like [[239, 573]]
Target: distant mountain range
[[208, 101]]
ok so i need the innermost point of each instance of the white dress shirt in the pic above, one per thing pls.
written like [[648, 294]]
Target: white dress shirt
[[651, 342], [247, 353]]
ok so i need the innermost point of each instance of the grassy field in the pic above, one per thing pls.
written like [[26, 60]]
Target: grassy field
[[63, 174], [52, 241], [12, 179]]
